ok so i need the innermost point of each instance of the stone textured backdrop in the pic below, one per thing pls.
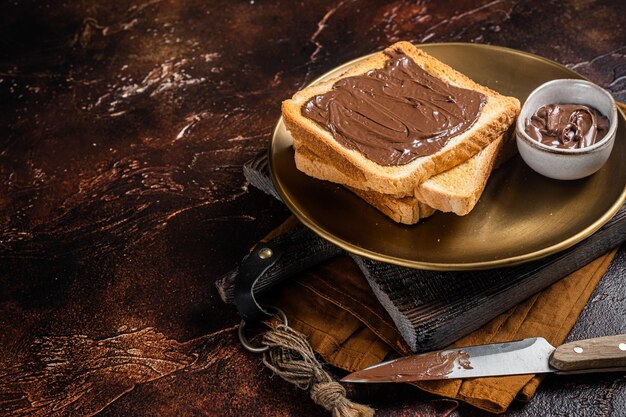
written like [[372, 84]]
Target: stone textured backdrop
[[124, 127]]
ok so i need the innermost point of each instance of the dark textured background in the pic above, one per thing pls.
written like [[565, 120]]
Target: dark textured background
[[124, 126]]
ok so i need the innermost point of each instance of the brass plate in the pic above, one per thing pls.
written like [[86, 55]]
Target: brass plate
[[521, 216]]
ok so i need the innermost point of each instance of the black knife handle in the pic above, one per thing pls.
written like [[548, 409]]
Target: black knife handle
[[291, 253], [252, 268]]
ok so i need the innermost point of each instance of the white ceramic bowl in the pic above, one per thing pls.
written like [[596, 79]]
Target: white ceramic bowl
[[566, 164]]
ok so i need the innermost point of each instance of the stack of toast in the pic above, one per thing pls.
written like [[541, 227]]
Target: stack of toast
[[451, 179]]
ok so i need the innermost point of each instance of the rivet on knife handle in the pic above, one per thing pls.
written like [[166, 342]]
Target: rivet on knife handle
[[597, 353]]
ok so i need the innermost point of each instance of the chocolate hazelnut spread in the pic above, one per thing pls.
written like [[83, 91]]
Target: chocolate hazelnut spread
[[397, 113], [567, 126], [435, 365]]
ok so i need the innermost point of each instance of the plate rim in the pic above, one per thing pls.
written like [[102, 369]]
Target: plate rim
[[437, 266]]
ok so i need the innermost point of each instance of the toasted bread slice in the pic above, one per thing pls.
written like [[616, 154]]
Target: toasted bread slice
[[456, 190], [497, 115], [406, 210]]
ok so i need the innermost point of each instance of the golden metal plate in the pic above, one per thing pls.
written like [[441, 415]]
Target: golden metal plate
[[521, 216]]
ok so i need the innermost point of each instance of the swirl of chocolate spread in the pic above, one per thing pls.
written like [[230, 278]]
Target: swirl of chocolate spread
[[395, 114], [567, 126]]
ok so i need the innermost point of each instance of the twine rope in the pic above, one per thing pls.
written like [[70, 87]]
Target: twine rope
[[291, 357]]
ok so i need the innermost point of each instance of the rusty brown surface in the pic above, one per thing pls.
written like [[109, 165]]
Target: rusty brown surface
[[124, 128]]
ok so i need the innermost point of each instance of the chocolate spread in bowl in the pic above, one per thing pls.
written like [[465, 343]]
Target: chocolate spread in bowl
[[567, 126], [397, 113]]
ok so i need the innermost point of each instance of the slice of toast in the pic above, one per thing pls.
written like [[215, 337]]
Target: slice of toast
[[497, 115], [456, 190], [406, 210]]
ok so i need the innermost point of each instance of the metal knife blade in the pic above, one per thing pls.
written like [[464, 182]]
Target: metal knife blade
[[528, 356]]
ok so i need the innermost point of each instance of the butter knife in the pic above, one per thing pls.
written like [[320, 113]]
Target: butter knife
[[528, 356]]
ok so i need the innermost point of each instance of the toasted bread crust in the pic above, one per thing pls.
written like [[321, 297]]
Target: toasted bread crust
[[406, 210], [441, 192], [497, 115], [456, 190]]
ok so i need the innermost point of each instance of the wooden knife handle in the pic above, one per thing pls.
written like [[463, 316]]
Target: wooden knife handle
[[597, 353]]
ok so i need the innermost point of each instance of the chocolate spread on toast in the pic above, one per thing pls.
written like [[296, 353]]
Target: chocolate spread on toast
[[397, 113]]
